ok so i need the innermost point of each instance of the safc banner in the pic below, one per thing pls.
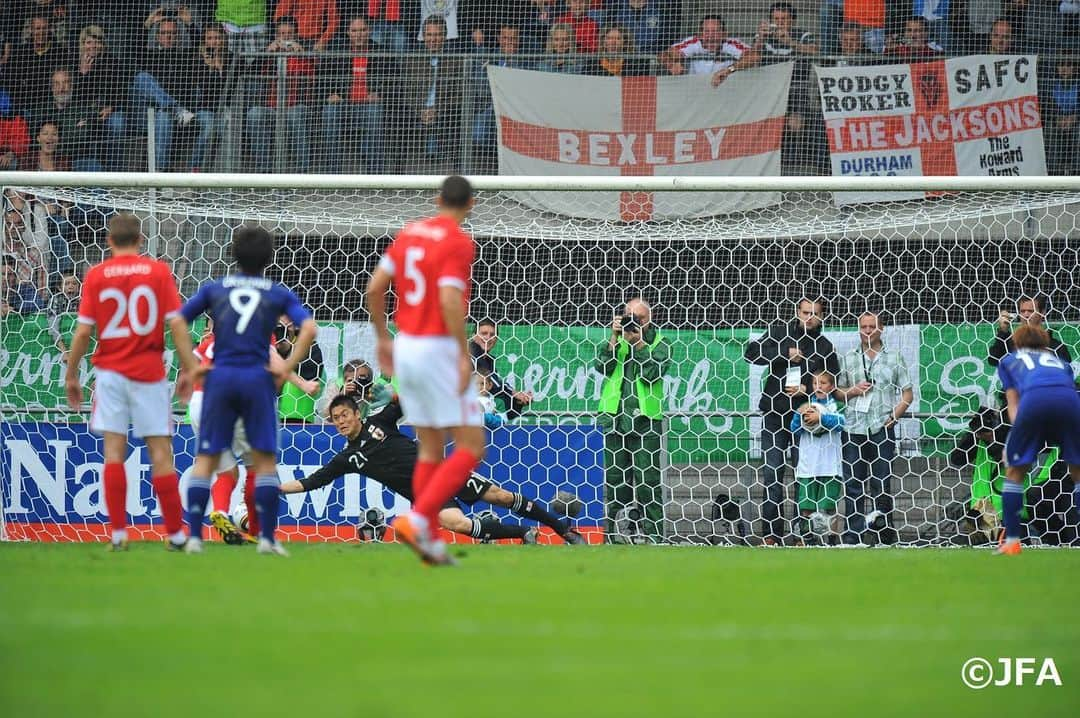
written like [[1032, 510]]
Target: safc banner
[[50, 479], [556, 124], [972, 116]]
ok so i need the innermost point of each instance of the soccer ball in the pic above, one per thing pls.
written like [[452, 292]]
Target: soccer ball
[[875, 520], [240, 517], [819, 523], [818, 429]]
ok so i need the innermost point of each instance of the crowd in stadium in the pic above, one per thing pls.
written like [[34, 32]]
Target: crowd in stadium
[[78, 76], [393, 86]]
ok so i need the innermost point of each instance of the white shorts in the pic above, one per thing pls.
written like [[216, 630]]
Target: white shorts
[[426, 369], [240, 445], [119, 402]]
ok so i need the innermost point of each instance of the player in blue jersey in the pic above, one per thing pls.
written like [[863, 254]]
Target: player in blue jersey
[[1044, 408], [241, 383]]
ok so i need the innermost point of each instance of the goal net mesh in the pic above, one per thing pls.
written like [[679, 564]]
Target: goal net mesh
[[938, 271]]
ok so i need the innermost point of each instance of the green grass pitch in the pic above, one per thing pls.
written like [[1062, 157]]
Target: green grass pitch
[[346, 630]]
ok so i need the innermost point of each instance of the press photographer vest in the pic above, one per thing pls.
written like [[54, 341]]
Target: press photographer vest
[[650, 396]]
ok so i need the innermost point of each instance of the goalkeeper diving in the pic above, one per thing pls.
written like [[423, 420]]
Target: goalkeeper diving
[[377, 449]]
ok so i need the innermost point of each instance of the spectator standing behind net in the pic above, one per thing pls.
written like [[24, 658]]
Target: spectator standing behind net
[[433, 86], [316, 20], [184, 14], [1001, 40], [480, 348], [1030, 311], [74, 126], [914, 43], [1062, 113], [299, 81], [211, 75], [648, 23], [32, 64], [63, 303], [816, 426], [19, 296], [710, 52], [484, 130], [100, 89], [354, 89], [778, 40], [537, 22], [164, 82], [611, 60], [560, 55], [633, 360], [586, 29], [792, 352], [876, 387], [53, 216]]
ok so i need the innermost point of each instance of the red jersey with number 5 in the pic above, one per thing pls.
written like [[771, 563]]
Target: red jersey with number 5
[[128, 299], [426, 255]]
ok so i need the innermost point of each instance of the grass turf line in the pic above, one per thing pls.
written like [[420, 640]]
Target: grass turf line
[[602, 631]]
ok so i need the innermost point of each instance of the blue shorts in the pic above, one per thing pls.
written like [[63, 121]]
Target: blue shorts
[[1045, 416], [247, 394]]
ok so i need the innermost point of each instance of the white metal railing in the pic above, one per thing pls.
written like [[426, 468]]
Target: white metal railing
[[537, 183]]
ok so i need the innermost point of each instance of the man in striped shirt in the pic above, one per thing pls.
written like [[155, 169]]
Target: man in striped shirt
[[710, 52]]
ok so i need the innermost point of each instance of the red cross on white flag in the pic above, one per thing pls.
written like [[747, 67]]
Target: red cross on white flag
[[556, 124]]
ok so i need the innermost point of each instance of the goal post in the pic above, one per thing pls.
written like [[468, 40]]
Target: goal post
[[938, 259]]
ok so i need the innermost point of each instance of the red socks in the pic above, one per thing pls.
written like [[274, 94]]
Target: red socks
[[222, 490], [447, 480], [167, 488], [249, 502], [422, 473], [115, 480]]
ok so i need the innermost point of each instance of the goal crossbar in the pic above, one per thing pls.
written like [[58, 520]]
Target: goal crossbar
[[149, 180]]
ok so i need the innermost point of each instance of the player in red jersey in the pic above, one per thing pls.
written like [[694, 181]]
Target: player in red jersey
[[429, 266], [127, 300]]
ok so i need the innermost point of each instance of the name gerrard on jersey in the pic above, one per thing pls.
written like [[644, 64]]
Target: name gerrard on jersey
[[125, 270]]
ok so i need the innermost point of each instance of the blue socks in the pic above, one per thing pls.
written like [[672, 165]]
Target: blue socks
[[267, 499], [1012, 503], [198, 497]]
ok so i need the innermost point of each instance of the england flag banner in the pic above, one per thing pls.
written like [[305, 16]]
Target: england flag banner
[[971, 116], [559, 124]]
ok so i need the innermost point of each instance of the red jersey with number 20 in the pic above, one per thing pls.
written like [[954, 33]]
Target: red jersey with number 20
[[426, 255], [129, 298]]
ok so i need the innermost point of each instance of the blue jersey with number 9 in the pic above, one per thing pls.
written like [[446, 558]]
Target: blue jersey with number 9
[[245, 311], [1026, 369]]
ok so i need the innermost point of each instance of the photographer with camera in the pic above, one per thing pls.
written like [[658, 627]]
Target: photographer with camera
[[356, 381], [634, 360], [1029, 310], [778, 39]]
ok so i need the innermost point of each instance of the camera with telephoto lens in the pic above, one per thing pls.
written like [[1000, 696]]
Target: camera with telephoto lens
[[630, 323], [361, 386]]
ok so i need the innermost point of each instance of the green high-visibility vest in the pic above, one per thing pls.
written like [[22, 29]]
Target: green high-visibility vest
[[988, 476], [650, 396]]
